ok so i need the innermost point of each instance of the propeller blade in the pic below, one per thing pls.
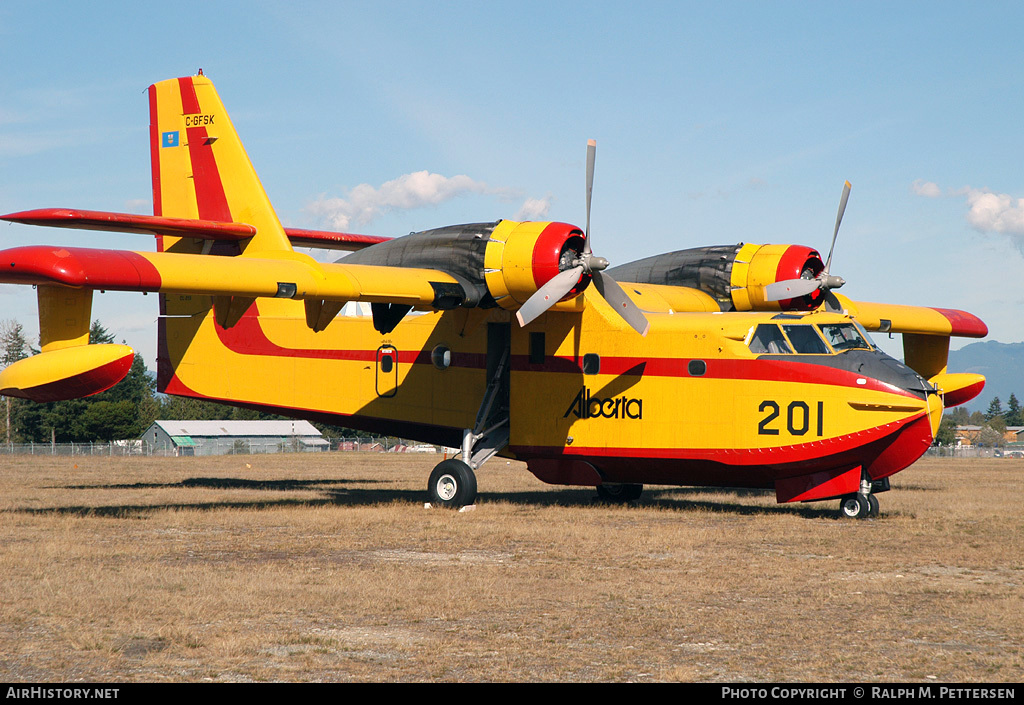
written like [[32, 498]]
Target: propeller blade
[[549, 294], [591, 155], [790, 289], [839, 219], [623, 305]]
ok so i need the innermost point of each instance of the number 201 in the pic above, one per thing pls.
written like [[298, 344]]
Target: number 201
[[798, 418]]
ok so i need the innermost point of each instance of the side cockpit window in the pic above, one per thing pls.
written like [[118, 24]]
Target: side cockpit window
[[768, 339], [844, 336], [806, 341]]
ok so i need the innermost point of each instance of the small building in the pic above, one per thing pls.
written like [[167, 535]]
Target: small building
[[233, 437], [967, 435]]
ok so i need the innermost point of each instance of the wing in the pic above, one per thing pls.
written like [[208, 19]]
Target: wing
[[914, 320], [286, 275]]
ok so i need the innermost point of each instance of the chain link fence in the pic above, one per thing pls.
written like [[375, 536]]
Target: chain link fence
[[975, 452], [222, 446]]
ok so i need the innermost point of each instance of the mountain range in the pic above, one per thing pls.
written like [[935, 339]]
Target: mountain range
[[1001, 363]]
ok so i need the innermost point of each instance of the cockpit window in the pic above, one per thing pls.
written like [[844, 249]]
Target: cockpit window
[[864, 334], [805, 340], [844, 336], [768, 339]]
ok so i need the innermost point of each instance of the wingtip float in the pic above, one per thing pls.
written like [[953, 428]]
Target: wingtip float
[[726, 366]]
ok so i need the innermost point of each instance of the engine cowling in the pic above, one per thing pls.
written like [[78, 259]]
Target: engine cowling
[[734, 275], [756, 266], [501, 263], [522, 257]]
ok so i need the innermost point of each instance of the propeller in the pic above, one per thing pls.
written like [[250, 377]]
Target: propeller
[[795, 288], [587, 263]]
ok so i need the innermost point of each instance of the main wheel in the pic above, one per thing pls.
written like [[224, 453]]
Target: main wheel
[[855, 506], [619, 494], [872, 506], [452, 484]]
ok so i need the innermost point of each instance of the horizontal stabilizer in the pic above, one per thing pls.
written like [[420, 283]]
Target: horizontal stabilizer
[[68, 373], [328, 240], [183, 227]]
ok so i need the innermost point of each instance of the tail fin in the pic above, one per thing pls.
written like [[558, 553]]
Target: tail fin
[[200, 168]]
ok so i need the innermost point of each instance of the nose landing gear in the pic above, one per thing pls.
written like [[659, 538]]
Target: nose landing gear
[[863, 504]]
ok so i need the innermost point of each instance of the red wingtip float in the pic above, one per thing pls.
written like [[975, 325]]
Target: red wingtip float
[[726, 366]]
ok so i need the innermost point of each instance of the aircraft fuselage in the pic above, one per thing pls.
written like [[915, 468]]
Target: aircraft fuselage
[[702, 405]]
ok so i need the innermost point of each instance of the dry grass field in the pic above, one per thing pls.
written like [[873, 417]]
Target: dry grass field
[[326, 567]]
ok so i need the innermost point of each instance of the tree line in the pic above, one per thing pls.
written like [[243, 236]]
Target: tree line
[[993, 422], [124, 411]]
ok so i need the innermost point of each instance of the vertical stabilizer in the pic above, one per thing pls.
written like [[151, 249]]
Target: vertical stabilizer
[[200, 168]]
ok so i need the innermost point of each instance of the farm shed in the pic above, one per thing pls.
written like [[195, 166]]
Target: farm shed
[[226, 437]]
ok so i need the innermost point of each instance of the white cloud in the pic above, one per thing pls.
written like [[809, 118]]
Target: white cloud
[[928, 189], [995, 212], [534, 209], [365, 203], [138, 205], [987, 212]]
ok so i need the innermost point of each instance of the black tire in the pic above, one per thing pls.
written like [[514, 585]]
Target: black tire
[[614, 493], [854, 506], [452, 484], [872, 506]]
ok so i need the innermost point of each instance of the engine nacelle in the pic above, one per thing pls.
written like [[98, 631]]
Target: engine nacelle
[[756, 266], [734, 275], [500, 263], [522, 257]]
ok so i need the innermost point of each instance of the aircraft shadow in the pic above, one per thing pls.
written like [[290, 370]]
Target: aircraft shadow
[[670, 499], [225, 483], [334, 492]]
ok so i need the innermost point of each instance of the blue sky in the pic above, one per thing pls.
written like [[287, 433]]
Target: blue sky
[[716, 123]]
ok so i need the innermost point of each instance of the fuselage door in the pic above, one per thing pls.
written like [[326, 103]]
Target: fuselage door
[[387, 371]]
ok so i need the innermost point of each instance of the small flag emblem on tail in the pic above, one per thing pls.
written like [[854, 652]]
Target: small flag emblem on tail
[[169, 139]]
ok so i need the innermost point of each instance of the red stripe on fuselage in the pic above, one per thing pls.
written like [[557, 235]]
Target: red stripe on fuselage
[[757, 369], [248, 338], [882, 451]]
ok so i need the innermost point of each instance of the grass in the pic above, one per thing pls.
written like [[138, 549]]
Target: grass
[[327, 567]]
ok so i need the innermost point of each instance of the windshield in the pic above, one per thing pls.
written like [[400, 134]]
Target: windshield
[[844, 336], [864, 334]]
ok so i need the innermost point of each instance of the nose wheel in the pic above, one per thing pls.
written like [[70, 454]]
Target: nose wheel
[[858, 506], [452, 484]]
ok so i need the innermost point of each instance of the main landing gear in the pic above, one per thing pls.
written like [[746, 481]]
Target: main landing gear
[[613, 493], [452, 484]]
